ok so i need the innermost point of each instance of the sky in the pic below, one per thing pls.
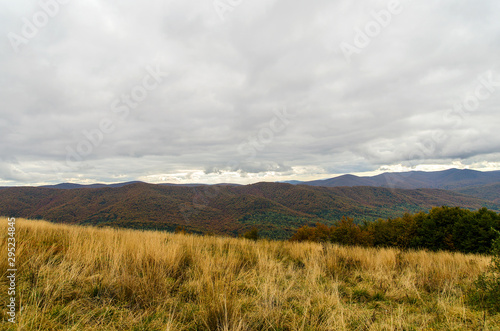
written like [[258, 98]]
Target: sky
[[213, 91]]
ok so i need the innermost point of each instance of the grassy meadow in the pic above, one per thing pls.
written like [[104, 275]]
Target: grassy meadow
[[83, 278]]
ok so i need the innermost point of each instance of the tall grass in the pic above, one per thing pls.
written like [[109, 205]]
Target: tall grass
[[75, 278]]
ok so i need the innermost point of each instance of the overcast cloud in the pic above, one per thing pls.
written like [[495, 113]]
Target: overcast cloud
[[245, 91]]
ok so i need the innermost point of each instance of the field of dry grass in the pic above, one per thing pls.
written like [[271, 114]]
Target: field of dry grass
[[75, 278]]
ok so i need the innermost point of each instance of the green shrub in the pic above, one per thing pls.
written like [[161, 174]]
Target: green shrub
[[487, 286], [253, 234]]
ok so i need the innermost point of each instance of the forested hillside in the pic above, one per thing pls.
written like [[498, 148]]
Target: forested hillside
[[277, 209]]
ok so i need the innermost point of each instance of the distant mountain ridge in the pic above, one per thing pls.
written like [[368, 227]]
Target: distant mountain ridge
[[70, 186], [451, 179]]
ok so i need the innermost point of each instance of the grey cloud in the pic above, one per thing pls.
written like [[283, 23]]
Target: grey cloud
[[226, 78]]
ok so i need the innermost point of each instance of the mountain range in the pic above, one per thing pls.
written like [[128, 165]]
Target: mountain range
[[447, 179], [277, 209]]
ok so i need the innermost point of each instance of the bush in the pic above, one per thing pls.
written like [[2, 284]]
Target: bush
[[253, 234], [443, 228], [487, 292]]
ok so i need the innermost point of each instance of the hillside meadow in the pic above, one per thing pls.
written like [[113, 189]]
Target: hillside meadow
[[84, 278]]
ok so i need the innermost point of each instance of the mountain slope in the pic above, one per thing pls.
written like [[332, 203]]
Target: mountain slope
[[488, 192], [277, 209], [447, 179]]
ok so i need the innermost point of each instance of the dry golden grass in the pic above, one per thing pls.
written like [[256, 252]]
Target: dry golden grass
[[75, 278]]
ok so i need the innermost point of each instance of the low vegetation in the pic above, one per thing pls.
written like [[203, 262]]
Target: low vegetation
[[442, 228], [486, 292], [78, 278]]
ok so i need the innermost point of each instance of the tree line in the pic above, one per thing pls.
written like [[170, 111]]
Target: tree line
[[442, 228]]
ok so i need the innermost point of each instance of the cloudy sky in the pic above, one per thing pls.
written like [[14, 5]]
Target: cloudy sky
[[245, 91]]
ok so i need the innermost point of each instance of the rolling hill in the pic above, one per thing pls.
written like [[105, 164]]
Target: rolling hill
[[447, 179], [488, 192], [70, 186], [278, 209]]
